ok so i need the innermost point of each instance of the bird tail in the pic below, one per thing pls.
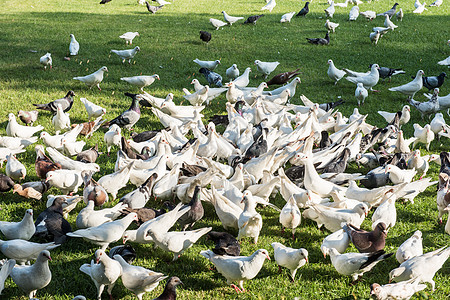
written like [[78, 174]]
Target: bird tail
[[43, 106], [375, 257], [5, 271]]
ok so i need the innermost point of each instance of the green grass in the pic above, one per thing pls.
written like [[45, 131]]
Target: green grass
[[169, 42]]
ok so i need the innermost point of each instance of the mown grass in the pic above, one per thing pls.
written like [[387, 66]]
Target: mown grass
[[169, 42]]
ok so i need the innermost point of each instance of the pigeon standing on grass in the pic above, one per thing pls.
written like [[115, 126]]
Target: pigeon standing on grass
[[266, 67], [320, 41], [231, 19], [28, 117], [217, 23], [93, 110], [290, 258], [51, 222], [66, 103], [361, 93], [334, 73], [46, 60], [411, 88], [390, 12], [269, 6], [129, 117], [127, 54], [232, 72], [253, 19], [141, 81], [23, 230], [432, 82], [330, 26], [170, 290], [212, 77], [74, 46], [205, 36], [153, 9], [208, 64], [282, 78], [287, 17], [129, 36], [93, 79], [304, 11]]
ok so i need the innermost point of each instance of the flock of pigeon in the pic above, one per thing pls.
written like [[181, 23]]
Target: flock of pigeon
[[269, 147]]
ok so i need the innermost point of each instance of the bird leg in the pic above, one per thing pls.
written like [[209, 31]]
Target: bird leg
[[282, 230], [98, 86], [236, 288], [279, 269]]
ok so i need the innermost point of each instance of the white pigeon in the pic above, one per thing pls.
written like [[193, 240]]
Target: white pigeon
[[137, 279], [93, 79], [429, 107], [141, 81], [238, 268], [163, 2], [334, 73], [93, 110], [330, 10], [232, 72], [23, 251], [14, 129], [5, 270], [243, 80], [217, 23], [113, 137], [361, 93], [338, 240], [14, 168], [250, 221], [399, 291], [355, 264], [197, 98], [60, 120], [233, 93], [438, 124], [14, 143], [104, 271], [129, 36], [422, 267], [423, 135], [290, 216], [34, 277], [444, 62], [70, 164], [385, 213], [46, 60], [266, 67], [369, 80], [411, 88], [269, 6], [74, 46], [375, 37], [208, 64], [369, 14], [420, 9], [399, 14], [287, 17], [127, 53], [231, 19], [354, 13], [388, 23], [23, 230], [106, 233], [68, 181], [410, 248], [113, 182], [89, 217], [330, 26], [397, 175], [437, 3], [290, 258]]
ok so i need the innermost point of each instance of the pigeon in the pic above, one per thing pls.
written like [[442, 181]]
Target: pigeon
[[436, 3], [226, 244], [93, 79], [238, 268], [43, 164], [46, 61], [141, 81], [290, 258], [106, 233], [29, 192], [137, 279], [104, 271], [92, 190], [410, 248], [319, 41], [129, 117], [427, 108], [334, 73], [365, 241], [388, 23], [207, 64], [212, 77], [304, 11], [389, 117], [356, 264], [66, 103], [217, 23], [93, 110], [74, 46], [231, 19], [232, 72], [283, 78], [253, 19], [354, 13], [250, 221], [266, 67], [361, 93], [369, 14], [399, 14], [129, 36], [243, 80], [127, 54], [23, 251], [23, 230], [60, 120], [329, 11], [205, 36], [330, 26], [388, 72], [269, 6], [113, 137], [390, 12], [444, 62], [369, 80], [290, 216], [125, 251], [402, 290], [51, 222], [5, 270], [375, 36], [153, 9], [287, 17], [28, 117], [338, 240], [105, 1], [432, 82], [6, 183], [195, 213], [88, 156], [14, 168], [420, 9], [417, 4], [34, 277], [170, 290]]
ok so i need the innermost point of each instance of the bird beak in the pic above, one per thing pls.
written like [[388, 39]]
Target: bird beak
[[268, 257], [306, 259], [97, 260]]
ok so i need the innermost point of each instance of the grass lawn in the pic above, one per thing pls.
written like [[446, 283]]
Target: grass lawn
[[169, 41]]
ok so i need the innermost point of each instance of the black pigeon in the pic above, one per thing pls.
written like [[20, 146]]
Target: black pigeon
[[338, 165], [212, 77], [432, 82], [325, 140], [295, 173], [385, 72], [170, 290], [303, 11], [144, 136], [253, 19], [282, 78], [51, 222], [445, 163], [126, 251], [226, 244], [88, 156], [104, 1], [366, 241], [331, 105], [320, 41], [66, 103], [375, 178], [195, 213], [205, 36], [153, 9], [126, 148], [129, 117], [6, 183]]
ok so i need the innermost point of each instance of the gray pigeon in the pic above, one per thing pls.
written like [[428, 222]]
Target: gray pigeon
[[129, 117], [212, 77], [195, 213], [139, 197], [66, 103], [390, 12], [385, 72], [153, 9]]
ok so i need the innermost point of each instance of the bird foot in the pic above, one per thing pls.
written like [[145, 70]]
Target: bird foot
[[236, 288], [440, 222], [279, 269], [375, 91]]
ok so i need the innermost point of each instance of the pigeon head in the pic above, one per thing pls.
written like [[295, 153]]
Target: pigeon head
[[173, 282], [375, 290], [71, 93], [99, 254], [44, 255], [72, 36], [263, 252], [104, 69], [381, 227], [156, 76], [137, 49], [257, 62], [29, 212], [396, 273]]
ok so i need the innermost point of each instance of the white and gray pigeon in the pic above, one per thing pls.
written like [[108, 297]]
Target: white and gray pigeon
[[334, 73], [34, 277], [23, 251], [266, 67], [330, 10], [231, 19], [14, 168], [141, 81], [369, 80], [427, 108], [68, 181], [23, 230], [389, 117], [369, 14], [208, 64], [232, 72], [74, 46], [93, 110], [399, 291], [410, 88], [361, 93], [14, 129], [104, 271], [129, 117], [93, 79], [137, 279], [217, 23], [129, 36], [390, 12], [5, 270], [46, 60], [127, 53], [410, 248], [437, 3], [290, 258], [445, 62], [140, 196]]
